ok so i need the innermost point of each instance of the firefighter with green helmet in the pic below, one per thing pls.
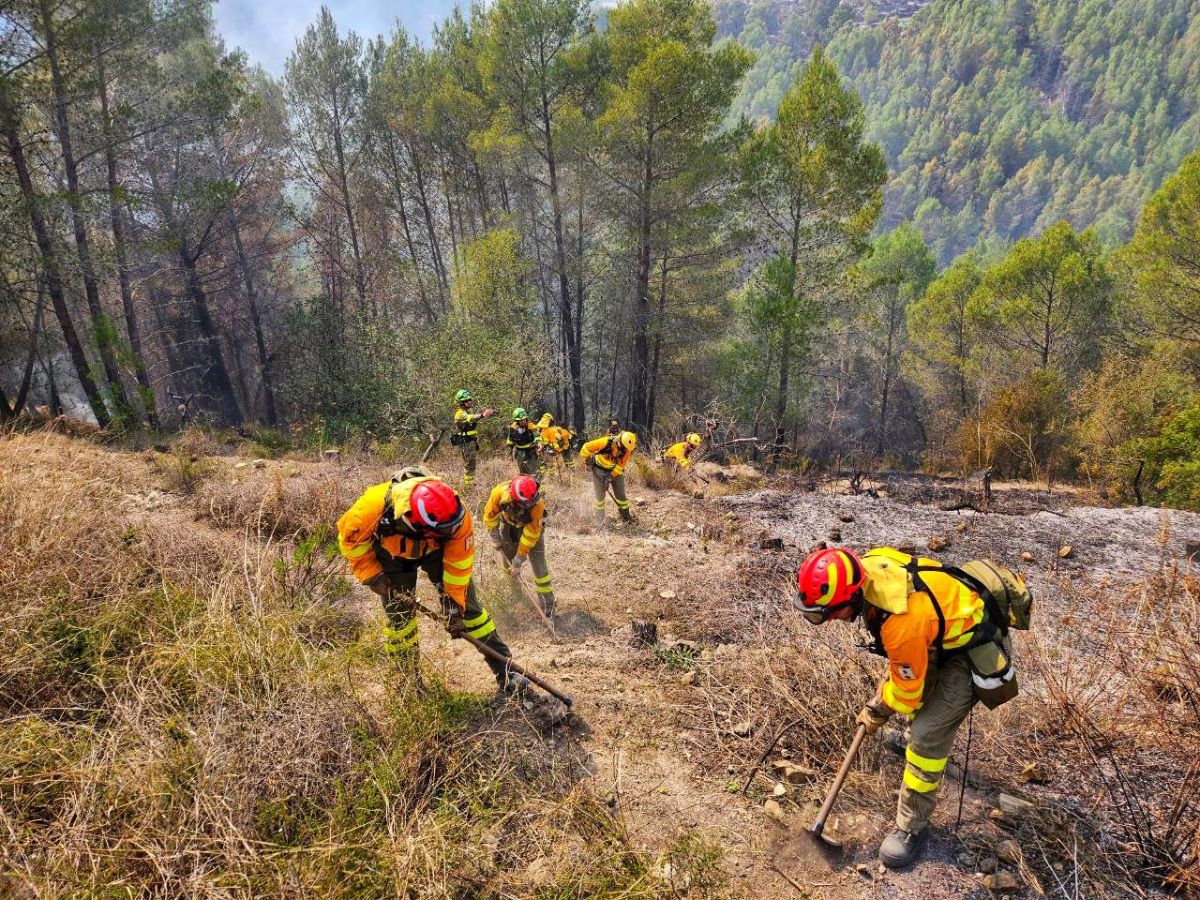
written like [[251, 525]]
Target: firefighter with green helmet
[[522, 441], [465, 435]]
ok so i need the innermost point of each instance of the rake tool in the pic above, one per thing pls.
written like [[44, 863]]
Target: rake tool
[[524, 589]]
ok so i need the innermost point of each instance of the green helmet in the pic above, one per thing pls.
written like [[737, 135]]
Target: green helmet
[[519, 414], [462, 396]]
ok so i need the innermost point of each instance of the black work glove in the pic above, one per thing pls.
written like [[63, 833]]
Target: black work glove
[[454, 621]]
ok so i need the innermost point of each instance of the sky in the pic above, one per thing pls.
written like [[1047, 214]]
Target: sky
[[267, 29]]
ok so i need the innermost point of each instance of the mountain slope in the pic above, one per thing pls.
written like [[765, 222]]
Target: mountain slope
[[998, 119]]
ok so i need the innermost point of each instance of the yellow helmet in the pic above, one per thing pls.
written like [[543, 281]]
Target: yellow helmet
[[693, 439], [627, 440]]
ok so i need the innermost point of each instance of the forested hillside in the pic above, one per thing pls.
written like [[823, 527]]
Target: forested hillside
[[575, 219], [999, 119]]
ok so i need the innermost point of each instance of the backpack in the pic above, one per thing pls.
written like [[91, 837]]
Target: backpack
[[1009, 602]]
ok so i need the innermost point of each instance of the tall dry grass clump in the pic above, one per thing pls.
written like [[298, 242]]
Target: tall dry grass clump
[[187, 711]]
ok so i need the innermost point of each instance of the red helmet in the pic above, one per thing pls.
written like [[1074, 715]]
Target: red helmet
[[434, 506], [523, 490], [827, 581]]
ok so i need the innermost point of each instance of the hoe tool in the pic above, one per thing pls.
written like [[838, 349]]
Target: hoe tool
[[561, 709], [817, 829], [524, 589]]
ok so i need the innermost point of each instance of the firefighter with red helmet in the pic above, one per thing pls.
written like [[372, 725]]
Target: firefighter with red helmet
[[417, 522], [945, 636], [514, 516]]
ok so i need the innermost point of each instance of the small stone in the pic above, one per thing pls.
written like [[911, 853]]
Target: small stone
[[333, 453], [864, 870], [780, 790], [937, 543], [1027, 556], [791, 773], [241, 465], [691, 526], [845, 517], [1014, 806], [1065, 551], [260, 464], [743, 729], [640, 501], [689, 678], [996, 815], [1009, 851], [667, 594], [989, 864], [882, 869], [961, 527], [1033, 774], [774, 811], [835, 534], [1001, 882]]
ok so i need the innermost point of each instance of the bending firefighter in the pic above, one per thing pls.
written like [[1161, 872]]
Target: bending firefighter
[[609, 455], [513, 516], [417, 522], [465, 436], [679, 456], [944, 631], [555, 441], [522, 439]]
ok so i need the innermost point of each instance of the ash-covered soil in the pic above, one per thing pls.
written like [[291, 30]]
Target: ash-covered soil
[[1106, 543]]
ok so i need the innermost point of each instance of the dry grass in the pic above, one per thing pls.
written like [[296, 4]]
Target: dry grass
[[187, 711], [1109, 712]]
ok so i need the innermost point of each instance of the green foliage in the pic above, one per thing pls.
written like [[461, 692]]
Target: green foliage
[[1163, 256], [1048, 302], [1125, 402], [1173, 458], [944, 336]]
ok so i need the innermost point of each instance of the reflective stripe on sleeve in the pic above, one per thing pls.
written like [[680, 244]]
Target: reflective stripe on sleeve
[[456, 580], [353, 551]]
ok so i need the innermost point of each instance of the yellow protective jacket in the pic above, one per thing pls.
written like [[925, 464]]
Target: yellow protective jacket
[[910, 627], [466, 422], [500, 507], [607, 453], [361, 545], [556, 438], [680, 453]]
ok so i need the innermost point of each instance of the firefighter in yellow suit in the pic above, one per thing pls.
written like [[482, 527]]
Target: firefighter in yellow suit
[[935, 631], [514, 516], [608, 456], [417, 522], [679, 455]]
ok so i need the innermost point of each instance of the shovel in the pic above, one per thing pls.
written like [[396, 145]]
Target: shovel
[[817, 829]]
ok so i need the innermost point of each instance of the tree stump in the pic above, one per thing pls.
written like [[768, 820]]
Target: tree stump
[[645, 634]]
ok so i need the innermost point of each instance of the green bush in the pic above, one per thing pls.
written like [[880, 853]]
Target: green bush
[[1173, 459]]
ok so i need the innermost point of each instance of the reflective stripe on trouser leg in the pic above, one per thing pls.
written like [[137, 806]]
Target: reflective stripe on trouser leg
[[618, 485], [948, 698], [599, 489], [491, 637], [541, 575], [470, 456]]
